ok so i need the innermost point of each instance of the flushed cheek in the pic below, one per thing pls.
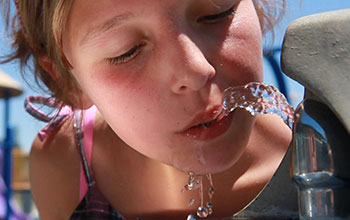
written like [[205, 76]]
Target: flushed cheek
[[140, 127], [132, 106], [138, 107], [135, 111]]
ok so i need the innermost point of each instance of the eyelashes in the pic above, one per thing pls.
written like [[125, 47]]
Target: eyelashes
[[135, 50], [130, 54], [217, 17]]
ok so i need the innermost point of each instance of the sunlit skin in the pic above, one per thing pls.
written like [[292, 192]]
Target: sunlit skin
[[151, 71], [180, 71]]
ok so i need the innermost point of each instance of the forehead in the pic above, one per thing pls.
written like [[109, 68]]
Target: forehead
[[89, 17], [92, 11]]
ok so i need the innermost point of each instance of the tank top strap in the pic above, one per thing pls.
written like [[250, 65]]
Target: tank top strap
[[35, 111], [55, 119], [88, 130], [79, 137]]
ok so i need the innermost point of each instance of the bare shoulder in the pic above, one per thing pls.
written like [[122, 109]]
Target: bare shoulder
[[54, 173]]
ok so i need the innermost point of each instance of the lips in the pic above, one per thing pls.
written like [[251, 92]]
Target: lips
[[208, 125]]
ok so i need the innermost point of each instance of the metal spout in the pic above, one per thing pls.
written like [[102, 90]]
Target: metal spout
[[320, 162]]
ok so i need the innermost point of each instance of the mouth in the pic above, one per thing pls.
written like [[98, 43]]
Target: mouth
[[208, 125], [218, 115]]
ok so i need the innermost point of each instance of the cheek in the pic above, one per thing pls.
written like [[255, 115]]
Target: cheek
[[131, 105], [241, 58], [241, 53]]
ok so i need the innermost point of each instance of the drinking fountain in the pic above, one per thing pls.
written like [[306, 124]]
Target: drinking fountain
[[316, 53], [313, 180]]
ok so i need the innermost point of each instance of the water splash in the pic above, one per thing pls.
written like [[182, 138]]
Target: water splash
[[258, 98], [195, 181]]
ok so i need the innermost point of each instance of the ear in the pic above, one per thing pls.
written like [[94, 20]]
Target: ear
[[79, 99]]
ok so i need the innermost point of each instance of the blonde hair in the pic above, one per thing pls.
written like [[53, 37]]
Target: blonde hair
[[37, 31]]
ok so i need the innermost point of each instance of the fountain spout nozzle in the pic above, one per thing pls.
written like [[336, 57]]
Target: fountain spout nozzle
[[320, 163]]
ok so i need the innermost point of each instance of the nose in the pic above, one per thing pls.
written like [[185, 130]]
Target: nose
[[193, 70]]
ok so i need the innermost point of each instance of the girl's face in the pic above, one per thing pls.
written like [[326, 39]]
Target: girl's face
[[156, 70]]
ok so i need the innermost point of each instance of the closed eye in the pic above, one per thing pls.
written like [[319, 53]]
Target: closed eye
[[127, 56], [217, 17]]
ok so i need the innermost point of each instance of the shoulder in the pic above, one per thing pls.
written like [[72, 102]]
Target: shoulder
[[55, 146], [54, 173]]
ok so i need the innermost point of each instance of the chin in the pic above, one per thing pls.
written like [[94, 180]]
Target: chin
[[210, 160], [201, 169]]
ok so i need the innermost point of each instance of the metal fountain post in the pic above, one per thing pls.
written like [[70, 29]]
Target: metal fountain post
[[316, 53]]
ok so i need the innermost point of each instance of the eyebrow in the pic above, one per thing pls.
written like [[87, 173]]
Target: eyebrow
[[97, 30]]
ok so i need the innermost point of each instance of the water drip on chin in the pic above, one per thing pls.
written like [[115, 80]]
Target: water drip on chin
[[200, 156]]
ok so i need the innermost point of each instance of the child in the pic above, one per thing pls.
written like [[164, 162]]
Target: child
[[149, 75]]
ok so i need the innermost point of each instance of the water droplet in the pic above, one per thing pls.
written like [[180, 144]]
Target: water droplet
[[209, 204], [189, 187], [190, 177], [191, 217], [210, 211], [202, 212], [191, 201], [211, 192]]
